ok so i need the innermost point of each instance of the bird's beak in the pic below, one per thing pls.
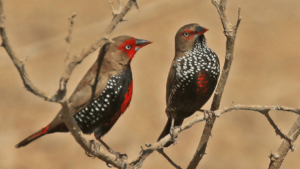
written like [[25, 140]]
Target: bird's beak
[[199, 30], [141, 43]]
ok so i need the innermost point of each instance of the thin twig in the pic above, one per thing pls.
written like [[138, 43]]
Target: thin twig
[[19, 64], [69, 36], [160, 144], [61, 93], [277, 158], [230, 33], [161, 151], [77, 59]]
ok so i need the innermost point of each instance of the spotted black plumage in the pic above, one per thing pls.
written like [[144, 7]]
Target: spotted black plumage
[[192, 77], [102, 95], [98, 114], [183, 98]]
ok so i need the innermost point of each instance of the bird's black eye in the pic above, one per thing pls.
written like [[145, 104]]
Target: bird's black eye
[[186, 34], [127, 47]]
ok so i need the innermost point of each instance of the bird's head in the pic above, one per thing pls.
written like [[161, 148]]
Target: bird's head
[[127, 46], [187, 35]]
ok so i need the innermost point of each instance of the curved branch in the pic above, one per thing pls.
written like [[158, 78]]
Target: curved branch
[[230, 33], [160, 144], [19, 64]]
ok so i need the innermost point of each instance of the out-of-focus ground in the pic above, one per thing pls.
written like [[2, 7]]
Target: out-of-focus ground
[[265, 71]]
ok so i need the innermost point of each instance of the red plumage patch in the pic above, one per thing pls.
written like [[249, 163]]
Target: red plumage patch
[[44, 131], [190, 32], [124, 105], [131, 52], [202, 82]]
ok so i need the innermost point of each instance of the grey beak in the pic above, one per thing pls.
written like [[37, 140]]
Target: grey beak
[[200, 29], [140, 43]]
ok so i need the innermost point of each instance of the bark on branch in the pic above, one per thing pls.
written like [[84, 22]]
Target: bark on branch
[[230, 31], [277, 158], [258, 108]]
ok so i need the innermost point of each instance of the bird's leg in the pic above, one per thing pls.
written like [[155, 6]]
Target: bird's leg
[[123, 157], [96, 147], [172, 131], [161, 151], [172, 128], [209, 114]]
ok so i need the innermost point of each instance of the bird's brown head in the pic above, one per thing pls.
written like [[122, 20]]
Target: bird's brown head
[[187, 35], [127, 46]]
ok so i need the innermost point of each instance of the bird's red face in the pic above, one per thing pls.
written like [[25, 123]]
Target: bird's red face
[[193, 34], [187, 35], [131, 46]]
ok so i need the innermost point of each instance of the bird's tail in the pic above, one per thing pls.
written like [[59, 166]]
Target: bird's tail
[[46, 130], [166, 131], [33, 137]]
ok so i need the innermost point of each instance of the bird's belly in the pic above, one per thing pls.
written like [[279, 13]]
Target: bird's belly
[[192, 94], [103, 112]]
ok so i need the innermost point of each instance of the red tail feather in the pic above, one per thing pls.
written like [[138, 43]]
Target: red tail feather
[[33, 137]]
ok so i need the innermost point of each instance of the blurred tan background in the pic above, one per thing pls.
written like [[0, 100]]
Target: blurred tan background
[[265, 71]]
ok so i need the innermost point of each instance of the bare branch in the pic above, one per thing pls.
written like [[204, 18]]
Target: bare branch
[[160, 144], [230, 33], [277, 158], [69, 36], [161, 151], [277, 130], [81, 140], [77, 59], [257, 108], [19, 64], [61, 93]]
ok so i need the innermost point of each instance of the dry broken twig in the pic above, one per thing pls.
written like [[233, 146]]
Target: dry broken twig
[[230, 33]]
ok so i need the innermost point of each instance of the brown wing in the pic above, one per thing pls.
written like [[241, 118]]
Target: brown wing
[[171, 78], [90, 86]]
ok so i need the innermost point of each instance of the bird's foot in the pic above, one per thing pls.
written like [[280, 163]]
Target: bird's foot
[[209, 114], [172, 133], [96, 148], [176, 127], [118, 155]]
